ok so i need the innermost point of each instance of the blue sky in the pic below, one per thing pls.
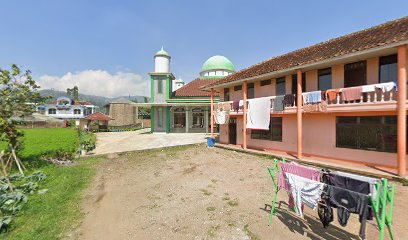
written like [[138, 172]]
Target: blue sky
[[111, 43]]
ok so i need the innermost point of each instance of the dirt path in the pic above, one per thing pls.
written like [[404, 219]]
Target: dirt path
[[199, 193]]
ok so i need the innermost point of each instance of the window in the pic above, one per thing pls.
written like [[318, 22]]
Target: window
[[388, 69], [52, 111], [375, 133], [280, 86], [294, 83], [238, 88], [77, 111], [273, 134], [266, 82], [160, 86], [324, 79], [251, 90], [226, 94], [355, 74]]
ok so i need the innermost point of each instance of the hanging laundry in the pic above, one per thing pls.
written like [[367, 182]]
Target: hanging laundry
[[235, 106], [221, 117], [323, 93], [368, 88], [371, 181], [314, 97], [289, 100], [347, 202], [386, 87], [278, 104], [299, 170], [352, 93], [259, 113], [304, 191], [319, 107], [241, 104], [332, 94]]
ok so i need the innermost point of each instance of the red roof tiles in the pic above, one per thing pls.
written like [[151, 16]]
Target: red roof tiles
[[384, 34], [192, 89], [98, 116]]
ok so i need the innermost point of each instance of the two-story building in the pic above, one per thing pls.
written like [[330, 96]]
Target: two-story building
[[342, 99]]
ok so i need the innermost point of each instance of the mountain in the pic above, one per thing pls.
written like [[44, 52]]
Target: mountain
[[96, 100]]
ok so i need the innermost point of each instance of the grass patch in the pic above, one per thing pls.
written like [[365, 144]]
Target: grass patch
[[233, 203], [210, 209], [211, 232], [53, 214], [205, 192], [40, 141], [250, 234]]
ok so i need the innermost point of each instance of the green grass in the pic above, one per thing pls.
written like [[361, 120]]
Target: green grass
[[52, 215], [40, 141]]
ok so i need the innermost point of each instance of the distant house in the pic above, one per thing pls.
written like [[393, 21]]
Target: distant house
[[67, 109]]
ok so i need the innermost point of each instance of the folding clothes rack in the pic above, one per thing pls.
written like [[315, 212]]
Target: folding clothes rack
[[382, 204]]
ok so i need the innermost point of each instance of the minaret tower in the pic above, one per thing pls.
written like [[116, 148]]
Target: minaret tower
[[162, 62], [161, 81]]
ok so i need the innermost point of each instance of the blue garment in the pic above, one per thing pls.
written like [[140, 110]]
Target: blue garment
[[314, 97]]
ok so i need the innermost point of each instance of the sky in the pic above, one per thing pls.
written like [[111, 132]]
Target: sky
[[106, 47]]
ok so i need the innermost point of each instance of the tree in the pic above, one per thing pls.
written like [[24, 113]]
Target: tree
[[18, 98], [73, 93]]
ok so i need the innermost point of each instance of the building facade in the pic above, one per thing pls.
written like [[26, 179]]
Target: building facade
[[370, 129], [67, 109], [185, 109]]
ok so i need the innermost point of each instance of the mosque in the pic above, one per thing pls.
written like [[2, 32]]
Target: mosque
[[179, 108]]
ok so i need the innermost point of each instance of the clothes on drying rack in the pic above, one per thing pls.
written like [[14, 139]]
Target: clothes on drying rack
[[278, 104], [304, 191], [371, 181], [352, 93], [332, 94], [289, 100], [235, 106], [346, 202], [299, 170], [258, 115]]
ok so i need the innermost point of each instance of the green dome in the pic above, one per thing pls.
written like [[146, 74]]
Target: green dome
[[218, 62], [162, 52]]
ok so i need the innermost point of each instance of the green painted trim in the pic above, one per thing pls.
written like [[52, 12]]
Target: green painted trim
[[152, 119], [168, 87], [167, 119], [151, 89]]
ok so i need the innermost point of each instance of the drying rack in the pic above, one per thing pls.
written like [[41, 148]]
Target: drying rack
[[382, 204]]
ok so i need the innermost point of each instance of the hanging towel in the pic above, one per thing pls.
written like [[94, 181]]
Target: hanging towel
[[221, 117], [386, 87], [235, 105], [299, 170], [278, 104], [289, 100], [371, 181], [368, 88], [314, 97], [332, 94], [241, 103], [258, 116], [352, 93], [304, 191]]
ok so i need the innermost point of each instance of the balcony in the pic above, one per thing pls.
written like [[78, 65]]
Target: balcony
[[371, 99]]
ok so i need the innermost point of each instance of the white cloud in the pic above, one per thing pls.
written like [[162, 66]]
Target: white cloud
[[98, 82]]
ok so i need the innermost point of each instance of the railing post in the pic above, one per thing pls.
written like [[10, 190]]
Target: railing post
[[212, 113], [299, 113], [401, 110], [245, 91]]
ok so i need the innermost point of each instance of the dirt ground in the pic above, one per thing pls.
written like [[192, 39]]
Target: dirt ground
[[193, 192]]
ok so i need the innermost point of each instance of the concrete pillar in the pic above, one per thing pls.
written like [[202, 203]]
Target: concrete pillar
[[206, 119], [299, 113], [187, 113], [245, 91], [212, 112], [401, 110]]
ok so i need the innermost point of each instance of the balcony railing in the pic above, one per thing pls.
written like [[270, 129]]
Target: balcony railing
[[369, 95]]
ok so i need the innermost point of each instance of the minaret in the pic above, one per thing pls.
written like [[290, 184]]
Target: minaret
[[162, 62]]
